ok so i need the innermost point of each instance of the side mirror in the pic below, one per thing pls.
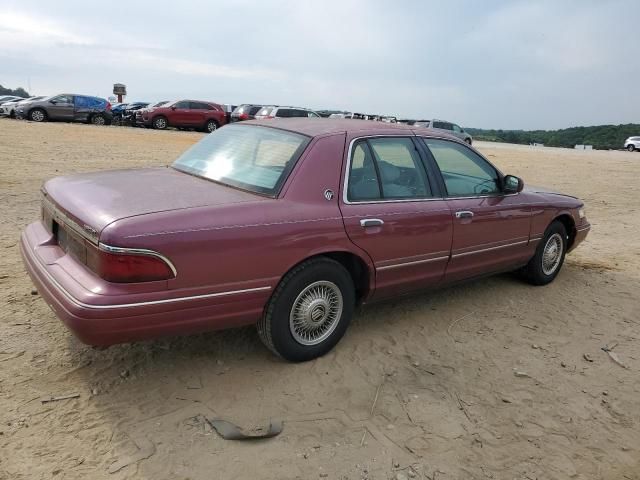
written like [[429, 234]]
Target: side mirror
[[53, 101], [173, 107], [512, 184]]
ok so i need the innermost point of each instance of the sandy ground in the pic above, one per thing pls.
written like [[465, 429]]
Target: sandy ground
[[424, 387]]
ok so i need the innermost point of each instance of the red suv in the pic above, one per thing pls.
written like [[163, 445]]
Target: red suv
[[206, 116]]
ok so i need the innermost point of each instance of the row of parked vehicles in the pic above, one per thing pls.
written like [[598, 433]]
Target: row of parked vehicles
[[182, 114]]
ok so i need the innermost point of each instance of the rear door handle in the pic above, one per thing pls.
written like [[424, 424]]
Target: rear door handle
[[371, 222], [464, 214]]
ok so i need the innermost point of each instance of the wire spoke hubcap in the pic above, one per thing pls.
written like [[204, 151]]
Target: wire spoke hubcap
[[552, 254], [315, 313]]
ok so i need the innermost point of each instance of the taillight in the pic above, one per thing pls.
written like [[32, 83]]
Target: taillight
[[123, 265], [244, 116], [108, 106]]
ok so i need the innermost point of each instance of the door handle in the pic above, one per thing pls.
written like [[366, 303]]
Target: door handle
[[371, 222], [464, 214]]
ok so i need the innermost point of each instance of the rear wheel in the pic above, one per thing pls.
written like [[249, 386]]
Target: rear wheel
[[37, 115], [468, 140], [309, 311], [211, 126], [549, 257], [98, 119], [160, 123], [631, 147]]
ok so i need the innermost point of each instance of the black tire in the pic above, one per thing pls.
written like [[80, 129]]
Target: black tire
[[631, 147], [211, 126], [535, 272], [468, 141], [98, 119], [37, 115], [275, 328], [117, 121], [160, 123]]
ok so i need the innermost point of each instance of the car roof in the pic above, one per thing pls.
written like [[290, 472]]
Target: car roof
[[314, 127]]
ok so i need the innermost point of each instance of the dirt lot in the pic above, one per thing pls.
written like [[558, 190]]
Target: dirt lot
[[428, 387]]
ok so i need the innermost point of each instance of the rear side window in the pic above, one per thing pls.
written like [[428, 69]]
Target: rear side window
[[465, 173], [285, 113], [387, 168], [89, 102], [254, 110]]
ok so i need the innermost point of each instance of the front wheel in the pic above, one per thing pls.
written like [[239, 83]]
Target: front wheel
[[545, 265], [37, 115], [160, 123], [309, 311], [631, 148]]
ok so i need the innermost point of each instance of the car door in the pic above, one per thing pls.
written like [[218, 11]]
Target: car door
[[458, 131], [180, 114], [197, 113], [490, 229], [61, 107], [393, 210]]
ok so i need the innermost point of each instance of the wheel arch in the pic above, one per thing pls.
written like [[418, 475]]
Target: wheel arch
[[569, 224], [360, 271]]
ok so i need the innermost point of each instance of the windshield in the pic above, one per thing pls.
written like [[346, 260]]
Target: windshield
[[248, 157]]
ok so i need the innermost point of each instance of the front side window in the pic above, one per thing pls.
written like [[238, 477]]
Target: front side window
[[386, 169], [62, 99], [181, 105], [456, 128], [252, 158], [465, 173]]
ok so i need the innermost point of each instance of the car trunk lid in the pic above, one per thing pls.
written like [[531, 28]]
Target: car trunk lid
[[87, 203]]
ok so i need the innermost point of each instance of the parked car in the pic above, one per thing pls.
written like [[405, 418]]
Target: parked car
[[245, 111], [287, 225], [9, 98], [138, 114], [274, 111], [68, 107], [206, 116], [8, 109], [632, 143], [444, 126], [125, 114]]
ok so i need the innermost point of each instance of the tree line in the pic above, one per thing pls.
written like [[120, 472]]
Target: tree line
[[18, 92], [602, 137]]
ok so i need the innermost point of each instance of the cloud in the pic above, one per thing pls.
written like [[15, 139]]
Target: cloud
[[504, 64]]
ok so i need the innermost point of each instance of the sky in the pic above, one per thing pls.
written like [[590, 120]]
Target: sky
[[491, 64]]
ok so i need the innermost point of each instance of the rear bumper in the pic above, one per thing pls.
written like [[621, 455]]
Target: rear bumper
[[98, 319]]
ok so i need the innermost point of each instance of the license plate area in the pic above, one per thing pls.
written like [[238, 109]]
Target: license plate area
[[69, 242]]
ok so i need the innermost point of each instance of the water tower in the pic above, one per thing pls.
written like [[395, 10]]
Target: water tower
[[120, 90]]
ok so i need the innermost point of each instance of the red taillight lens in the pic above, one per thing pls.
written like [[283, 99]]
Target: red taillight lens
[[127, 267], [108, 106], [244, 116]]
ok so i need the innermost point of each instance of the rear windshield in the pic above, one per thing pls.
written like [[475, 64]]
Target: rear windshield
[[252, 158]]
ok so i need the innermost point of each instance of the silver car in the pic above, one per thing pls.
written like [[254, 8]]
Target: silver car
[[632, 143], [9, 109], [448, 127]]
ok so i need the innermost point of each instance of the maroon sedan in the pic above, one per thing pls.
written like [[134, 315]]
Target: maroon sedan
[[287, 224], [205, 116]]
